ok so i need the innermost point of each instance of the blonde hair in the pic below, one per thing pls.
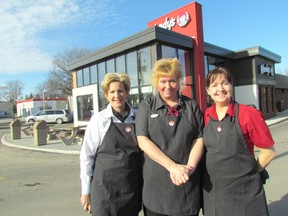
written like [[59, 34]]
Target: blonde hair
[[167, 67], [115, 77]]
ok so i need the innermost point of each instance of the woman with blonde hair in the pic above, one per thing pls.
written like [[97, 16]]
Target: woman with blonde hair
[[169, 131], [110, 159]]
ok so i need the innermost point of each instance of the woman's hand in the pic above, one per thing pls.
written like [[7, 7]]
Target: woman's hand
[[179, 173], [85, 202]]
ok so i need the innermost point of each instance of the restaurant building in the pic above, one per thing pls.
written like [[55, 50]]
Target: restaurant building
[[177, 34]]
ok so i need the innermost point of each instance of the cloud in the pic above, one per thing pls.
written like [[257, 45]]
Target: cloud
[[26, 26]]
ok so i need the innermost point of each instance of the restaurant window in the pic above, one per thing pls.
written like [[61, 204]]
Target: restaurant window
[[184, 58], [102, 101], [134, 97], [168, 52], [79, 75], [93, 74], [110, 66], [145, 92], [211, 63], [101, 74], [144, 66], [131, 61], [120, 64], [85, 107], [86, 76]]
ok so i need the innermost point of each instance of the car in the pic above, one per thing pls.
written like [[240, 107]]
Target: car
[[51, 116]]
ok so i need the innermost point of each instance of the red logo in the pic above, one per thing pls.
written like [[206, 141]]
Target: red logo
[[219, 129], [171, 123]]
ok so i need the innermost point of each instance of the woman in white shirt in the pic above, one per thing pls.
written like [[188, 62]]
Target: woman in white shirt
[[110, 159]]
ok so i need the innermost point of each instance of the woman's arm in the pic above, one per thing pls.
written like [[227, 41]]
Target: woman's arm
[[195, 154], [197, 147], [265, 156], [87, 159]]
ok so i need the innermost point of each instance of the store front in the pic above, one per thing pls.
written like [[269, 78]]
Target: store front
[[178, 34], [134, 56]]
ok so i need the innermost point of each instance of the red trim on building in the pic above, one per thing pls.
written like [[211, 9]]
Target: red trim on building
[[187, 20], [40, 99]]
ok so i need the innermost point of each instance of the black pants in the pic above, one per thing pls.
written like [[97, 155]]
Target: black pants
[[148, 212]]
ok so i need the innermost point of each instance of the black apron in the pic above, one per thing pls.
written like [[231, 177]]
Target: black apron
[[117, 180], [174, 136], [232, 184]]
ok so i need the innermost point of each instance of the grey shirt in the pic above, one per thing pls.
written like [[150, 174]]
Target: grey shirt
[[154, 105]]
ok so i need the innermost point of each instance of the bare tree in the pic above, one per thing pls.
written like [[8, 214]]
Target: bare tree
[[59, 83], [11, 92]]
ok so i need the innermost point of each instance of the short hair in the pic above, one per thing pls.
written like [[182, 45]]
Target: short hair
[[115, 77], [166, 67], [213, 74]]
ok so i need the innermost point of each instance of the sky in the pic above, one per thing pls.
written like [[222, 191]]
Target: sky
[[32, 32]]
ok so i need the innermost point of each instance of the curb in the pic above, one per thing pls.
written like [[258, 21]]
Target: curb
[[59, 151], [272, 124]]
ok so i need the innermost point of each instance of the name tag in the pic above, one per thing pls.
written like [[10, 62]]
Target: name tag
[[154, 115]]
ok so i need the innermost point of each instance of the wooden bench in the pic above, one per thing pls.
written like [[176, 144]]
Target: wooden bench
[[28, 130], [52, 133]]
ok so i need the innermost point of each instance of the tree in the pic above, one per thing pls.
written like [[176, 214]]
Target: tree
[[59, 82], [11, 92], [29, 96]]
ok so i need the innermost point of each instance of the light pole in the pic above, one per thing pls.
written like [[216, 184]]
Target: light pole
[[43, 98]]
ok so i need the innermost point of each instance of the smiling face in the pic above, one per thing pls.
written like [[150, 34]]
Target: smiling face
[[117, 96], [220, 90], [167, 87]]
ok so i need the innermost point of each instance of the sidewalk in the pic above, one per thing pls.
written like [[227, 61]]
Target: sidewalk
[[56, 146], [280, 116], [53, 146]]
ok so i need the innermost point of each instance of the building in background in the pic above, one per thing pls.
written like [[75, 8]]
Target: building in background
[[281, 92], [177, 34], [31, 106], [6, 109]]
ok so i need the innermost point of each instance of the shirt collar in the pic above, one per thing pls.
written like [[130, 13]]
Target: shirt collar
[[160, 103], [230, 111], [109, 113]]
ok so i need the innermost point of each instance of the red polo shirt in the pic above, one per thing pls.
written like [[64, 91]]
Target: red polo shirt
[[253, 126]]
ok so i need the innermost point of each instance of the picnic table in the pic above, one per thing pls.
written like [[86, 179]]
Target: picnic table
[[28, 130], [72, 135], [52, 133]]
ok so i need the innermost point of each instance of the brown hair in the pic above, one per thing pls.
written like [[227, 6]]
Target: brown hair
[[213, 74]]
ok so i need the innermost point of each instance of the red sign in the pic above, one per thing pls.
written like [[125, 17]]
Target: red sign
[[187, 20], [181, 20]]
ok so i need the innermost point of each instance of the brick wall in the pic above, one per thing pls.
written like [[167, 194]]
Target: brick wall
[[281, 95]]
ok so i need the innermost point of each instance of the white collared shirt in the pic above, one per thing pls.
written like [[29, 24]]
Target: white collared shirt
[[94, 134]]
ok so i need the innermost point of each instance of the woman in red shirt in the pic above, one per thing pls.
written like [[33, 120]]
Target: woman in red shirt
[[232, 176]]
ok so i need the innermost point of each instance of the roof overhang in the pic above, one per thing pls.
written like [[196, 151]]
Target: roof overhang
[[257, 51], [149, 35]]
